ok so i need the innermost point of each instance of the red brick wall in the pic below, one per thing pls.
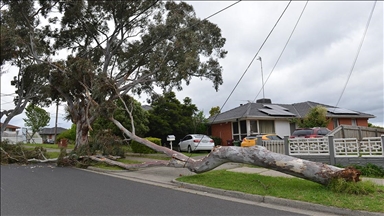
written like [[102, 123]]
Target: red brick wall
[[348, 121], [362, 122], [345, 121], [222, 130]]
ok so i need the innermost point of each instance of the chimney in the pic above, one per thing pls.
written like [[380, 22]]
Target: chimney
[[264, 101]]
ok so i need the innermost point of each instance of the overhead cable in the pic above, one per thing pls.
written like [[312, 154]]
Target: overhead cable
[[357, 54], [253, 59]]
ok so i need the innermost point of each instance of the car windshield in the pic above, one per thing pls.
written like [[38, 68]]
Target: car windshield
[[302, 132], [274, 137]]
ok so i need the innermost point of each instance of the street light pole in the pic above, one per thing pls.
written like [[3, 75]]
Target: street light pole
[[262, 76]]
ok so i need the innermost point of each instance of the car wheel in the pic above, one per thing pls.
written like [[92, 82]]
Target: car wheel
[[178, 149], [189, 149]]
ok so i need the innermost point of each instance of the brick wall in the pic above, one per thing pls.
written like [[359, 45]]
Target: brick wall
[[222, 130]]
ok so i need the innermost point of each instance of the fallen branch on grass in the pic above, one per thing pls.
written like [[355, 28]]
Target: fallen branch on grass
[[101, 158]]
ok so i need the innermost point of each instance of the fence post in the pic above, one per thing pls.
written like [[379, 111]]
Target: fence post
[[331, 150], [286, 145], [259, 141], [382, 142]]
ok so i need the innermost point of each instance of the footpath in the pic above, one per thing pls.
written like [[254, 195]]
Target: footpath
[[166, 176]]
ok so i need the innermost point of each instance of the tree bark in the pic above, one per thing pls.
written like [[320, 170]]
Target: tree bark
[[256, 155], [81, 133]]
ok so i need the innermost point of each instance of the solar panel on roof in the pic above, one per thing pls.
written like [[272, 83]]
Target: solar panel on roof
[[275, 107], [275, 112], [341, 111]]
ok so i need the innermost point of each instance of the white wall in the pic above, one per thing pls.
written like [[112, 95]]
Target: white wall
[[282, 128]]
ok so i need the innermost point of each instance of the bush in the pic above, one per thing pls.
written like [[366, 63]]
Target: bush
[[105, 144], [216, 140], [69, 134], [142, 149], [370, 170], [340, 185]]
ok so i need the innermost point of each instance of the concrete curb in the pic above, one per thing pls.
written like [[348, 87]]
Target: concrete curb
[[277, 201]]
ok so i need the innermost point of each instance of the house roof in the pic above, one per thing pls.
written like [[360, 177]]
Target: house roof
[[10, 126], [51, 131], [275, 111]]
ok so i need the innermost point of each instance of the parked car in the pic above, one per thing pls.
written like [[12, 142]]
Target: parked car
[[196, 142], [251, 140], [315, 132]]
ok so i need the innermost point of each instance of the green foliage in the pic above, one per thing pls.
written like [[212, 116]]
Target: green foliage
[[375, 126], [171, 47], [214, 111], [170, 116], [17, 153], [140, 118], [370, 170], [216, 140], [37, 118], [106, 144], [316, 117], [340, 185], [69, 134], [142, 149]]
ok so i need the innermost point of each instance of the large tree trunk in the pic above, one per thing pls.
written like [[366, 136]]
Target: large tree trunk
[[82, 130], [256, 155]]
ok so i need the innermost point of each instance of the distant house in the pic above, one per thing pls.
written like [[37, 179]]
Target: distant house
[[257, 118], [49, 133], [9, 127]]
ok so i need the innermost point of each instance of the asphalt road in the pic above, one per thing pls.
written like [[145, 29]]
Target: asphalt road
[[51, 190]]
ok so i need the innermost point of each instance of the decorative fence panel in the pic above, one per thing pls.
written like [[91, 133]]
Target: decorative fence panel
[[347, 147], [371, 147], [309, 146]]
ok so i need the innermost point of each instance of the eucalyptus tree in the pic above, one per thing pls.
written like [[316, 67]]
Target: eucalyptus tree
[[29, 77], [116, 48]]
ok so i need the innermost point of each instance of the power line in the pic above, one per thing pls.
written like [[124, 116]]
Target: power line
[[285, 46], [253, 59], [357, 54]]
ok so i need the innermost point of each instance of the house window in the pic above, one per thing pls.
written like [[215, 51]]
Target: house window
[[243, 129], [354, 122], [267, 126], [253, 125], [235, 127]]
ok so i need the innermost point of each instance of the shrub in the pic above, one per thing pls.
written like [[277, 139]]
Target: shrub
[[142, 149], [69, 134], [106, 144], [340, 185], [216, 140], [370, 170]]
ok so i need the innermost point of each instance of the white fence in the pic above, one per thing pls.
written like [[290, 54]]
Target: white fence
[[309, 146], [342, 147], [274, 145], [20, 136]]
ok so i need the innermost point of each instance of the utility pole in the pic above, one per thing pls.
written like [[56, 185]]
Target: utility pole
[[57, 111], [262, 76]]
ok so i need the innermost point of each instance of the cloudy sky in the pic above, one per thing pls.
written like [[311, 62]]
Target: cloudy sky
[[321, 56]]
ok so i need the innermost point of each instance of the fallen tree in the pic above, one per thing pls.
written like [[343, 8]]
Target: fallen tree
[[256, 155]]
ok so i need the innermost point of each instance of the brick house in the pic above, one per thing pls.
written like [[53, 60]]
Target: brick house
[[265, 117]]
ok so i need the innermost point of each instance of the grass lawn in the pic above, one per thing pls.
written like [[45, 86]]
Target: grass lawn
[[49, 146], [288, 188]]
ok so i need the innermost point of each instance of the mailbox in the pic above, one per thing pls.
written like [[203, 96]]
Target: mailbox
[[171, 138]]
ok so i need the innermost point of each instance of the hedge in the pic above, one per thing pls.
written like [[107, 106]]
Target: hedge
[[142, 149]]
